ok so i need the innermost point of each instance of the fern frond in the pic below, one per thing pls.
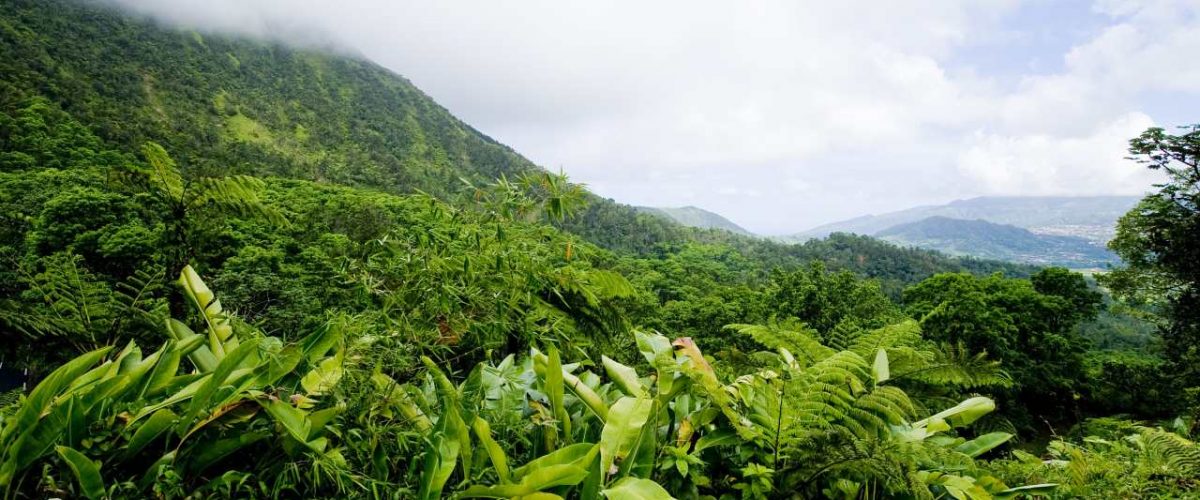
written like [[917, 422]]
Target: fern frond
[[238, 194], [904, 334], [952, 365], [1181, 454], [800, 341], [164, 174]]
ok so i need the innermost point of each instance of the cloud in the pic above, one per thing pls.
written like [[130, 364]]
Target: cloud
[[1055, 165], [779, 114]]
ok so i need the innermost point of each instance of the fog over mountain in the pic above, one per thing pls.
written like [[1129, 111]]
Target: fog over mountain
[[819, 111]]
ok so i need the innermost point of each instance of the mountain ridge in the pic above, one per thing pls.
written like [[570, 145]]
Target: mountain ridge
[[985, 239], [1089, 217], [696, 217]]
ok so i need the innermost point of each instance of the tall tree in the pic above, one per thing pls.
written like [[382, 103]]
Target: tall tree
[[1159, 240]]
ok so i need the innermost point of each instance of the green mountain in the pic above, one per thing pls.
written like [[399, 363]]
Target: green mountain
[[239, 106], [696, 217], [1089, 217], [225, 105], [989, 240]]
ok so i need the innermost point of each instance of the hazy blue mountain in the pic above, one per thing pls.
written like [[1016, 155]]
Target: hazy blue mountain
[[1088, 217], [695, 217], [980, 238]]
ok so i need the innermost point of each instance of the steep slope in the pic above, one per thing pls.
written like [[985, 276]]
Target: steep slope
[[997, 241], [1089, 217], [223, 104], [696, 217], [228, 104]]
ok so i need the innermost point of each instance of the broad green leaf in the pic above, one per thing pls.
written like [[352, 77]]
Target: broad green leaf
[[581, 390], [625, 377], [540, 479], [205, 454], [281, 364], [652, 345], [154, 426], [48, 390], [553, 385], [626, 418], [163, 372], [293, 420], [983, 444], [324, 377], [204, 395], [441, 455], [640, 461], [880, 369], [579, 454], [87, 473], [496, 491], [635, 488], [554, 475], [961, 414], [34, 440], [499, 460], [398, 398], [719, 437]]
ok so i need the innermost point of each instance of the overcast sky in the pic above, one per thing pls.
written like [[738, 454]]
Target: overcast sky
[[782, 115]]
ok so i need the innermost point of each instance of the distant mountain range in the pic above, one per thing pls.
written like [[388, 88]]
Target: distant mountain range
[[695, 217], [1090, 217], [980, 238], [1044, 230]]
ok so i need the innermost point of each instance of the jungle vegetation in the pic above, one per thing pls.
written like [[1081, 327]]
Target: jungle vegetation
[[236, 269]]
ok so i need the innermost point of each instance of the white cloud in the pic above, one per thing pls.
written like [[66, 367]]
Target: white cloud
[[1055, 165], [815, 110]]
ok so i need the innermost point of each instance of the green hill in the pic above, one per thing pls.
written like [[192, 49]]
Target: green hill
[[998, 241], [696, 217]]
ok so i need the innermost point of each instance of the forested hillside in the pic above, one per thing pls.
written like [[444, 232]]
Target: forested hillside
[[234, 269], [696, 217]]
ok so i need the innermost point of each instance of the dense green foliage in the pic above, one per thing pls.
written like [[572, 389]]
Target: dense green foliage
[[410, 310]]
